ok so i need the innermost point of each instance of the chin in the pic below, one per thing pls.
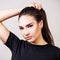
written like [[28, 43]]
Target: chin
[[31, 41]]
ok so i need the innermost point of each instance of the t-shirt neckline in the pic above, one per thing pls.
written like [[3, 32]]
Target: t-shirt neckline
[[37, 45]]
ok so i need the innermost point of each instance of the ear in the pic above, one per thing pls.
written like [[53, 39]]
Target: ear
[[41, 24]]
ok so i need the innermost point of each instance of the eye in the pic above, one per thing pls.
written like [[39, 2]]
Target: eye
[[21, 28], [29, 25]]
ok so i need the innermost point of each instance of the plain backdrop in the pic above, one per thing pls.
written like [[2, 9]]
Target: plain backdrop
[[52, 8]]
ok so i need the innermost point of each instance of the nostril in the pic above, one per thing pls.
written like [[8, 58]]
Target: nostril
[[27, 34]]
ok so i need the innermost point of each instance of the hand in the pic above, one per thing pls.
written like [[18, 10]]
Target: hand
[[36, 5]]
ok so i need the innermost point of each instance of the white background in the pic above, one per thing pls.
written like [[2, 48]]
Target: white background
[[52, 8]]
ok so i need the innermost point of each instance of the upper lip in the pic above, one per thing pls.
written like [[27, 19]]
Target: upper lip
[[29, 37]]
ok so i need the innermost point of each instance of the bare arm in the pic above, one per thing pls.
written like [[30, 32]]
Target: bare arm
[[4, 15], [8, 14]]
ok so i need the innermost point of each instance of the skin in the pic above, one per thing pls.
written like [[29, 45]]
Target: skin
[[5, 15], [31, 30], [36, 37]]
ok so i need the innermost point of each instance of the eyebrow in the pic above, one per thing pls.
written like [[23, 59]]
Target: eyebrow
[[21, 27], [27, 24]]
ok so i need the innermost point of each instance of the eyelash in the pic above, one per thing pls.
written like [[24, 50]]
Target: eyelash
[[29, 26], [21, 28]]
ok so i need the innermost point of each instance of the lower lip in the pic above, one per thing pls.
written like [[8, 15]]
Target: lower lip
[[29, 38]]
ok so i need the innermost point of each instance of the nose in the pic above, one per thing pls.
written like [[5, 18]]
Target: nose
[[26, 32]]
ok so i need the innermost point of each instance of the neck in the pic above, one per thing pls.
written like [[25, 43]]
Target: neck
[[40, 41]]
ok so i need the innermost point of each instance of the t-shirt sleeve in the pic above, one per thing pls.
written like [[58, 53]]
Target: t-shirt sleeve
[[13, 41]]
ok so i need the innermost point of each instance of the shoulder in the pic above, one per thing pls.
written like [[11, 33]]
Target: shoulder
[[12, 38], [13, 41], [56, 50]]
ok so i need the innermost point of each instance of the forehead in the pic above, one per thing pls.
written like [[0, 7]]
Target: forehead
[[26, 19]]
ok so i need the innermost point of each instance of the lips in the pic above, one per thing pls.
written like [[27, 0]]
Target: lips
[[28, 38]]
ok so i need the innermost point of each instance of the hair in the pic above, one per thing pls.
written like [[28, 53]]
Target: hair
[[39, 15]]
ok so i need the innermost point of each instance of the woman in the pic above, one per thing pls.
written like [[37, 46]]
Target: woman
[[38, 43]]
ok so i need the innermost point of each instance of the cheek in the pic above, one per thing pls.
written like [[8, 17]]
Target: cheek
[[22, 33], [36, 31]]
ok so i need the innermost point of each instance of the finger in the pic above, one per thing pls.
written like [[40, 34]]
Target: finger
[[32, 5], [40, 6], [36, 5]]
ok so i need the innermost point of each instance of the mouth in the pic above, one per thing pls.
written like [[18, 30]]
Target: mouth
[[28, 38]]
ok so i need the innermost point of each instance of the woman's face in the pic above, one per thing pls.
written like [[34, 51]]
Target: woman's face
[[30, 29]]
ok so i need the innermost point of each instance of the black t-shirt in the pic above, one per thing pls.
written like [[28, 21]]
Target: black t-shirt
[[23, 50]]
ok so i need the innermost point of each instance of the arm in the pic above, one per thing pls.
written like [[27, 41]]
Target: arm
[[4, 32], [8, 14], [4, 15]]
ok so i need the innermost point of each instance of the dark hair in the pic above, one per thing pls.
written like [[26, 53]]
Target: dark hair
[[39, 15]]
